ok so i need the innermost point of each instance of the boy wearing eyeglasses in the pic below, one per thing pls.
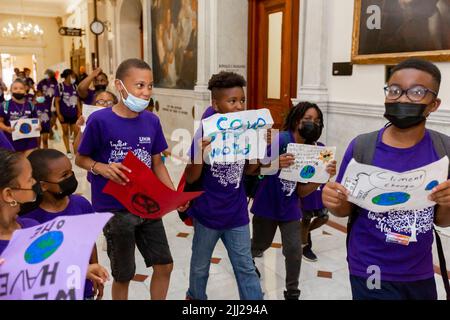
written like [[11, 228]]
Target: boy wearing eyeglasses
[[404, 271]]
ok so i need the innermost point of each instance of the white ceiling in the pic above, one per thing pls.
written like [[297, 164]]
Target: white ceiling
[[41, 8]]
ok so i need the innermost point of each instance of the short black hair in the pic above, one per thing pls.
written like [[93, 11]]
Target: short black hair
[[8, 163], [298, 112], [126, 65], [66, 73], [103, 74], [225, 80], [39, 162], [422, 65]]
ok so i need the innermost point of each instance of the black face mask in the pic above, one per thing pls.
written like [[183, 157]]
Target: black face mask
[[18, 96], [100, 87], [28, 207], [68, 187], [405, 115], [310, 131]]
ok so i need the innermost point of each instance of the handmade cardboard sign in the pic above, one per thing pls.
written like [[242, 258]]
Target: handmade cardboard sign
[[237, 136], [87, 111], [310, 163], [25, 128], [379, 190], [145, 195], [49, 261]]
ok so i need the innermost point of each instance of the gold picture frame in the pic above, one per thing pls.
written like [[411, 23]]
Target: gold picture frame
[[377, 56]]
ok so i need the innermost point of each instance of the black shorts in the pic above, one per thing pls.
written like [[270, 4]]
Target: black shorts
[[69, 120], [123, 233]]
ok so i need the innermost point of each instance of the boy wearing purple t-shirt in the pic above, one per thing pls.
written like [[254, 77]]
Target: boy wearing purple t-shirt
[[48, 87], [221, 212], [43, 110], [109, 135], [17, 108], [406, 271]]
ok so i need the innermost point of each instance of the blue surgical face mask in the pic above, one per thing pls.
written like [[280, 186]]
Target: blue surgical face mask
[[134, 103], [40, 99]]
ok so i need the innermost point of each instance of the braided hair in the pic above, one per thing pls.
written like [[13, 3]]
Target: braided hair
[[9, 163], [297, 113]]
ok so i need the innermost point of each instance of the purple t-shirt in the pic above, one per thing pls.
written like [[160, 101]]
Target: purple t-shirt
[[108, 138], [43, 111], [48, 88], [368, 246], [5, 143], [69, 100], [24, 224], [11, 111], [224, 203], [314, 200], [78, 205], [276, 198]]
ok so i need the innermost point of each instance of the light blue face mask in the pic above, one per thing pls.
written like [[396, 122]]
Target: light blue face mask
[[134, 103], [40, 99]]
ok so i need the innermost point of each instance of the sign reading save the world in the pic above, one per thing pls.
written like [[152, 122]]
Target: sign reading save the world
[[49, 261]]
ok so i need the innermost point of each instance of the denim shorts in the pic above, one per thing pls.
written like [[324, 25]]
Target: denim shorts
[[124, 232]]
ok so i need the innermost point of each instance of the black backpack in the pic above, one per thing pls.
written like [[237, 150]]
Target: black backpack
[[364, 151]]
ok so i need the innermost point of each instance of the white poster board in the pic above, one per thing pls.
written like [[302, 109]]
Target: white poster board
[[238, 136], [87, 111], [310, 163], [25, 129], [379, 190]]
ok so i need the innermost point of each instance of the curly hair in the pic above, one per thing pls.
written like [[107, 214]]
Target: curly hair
[[225, 80]]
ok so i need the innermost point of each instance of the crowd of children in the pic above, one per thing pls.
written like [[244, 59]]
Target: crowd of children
[[38, 185]]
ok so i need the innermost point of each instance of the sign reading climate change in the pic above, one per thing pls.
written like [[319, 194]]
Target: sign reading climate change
[[238, 136], [379, 190], [49, 261]]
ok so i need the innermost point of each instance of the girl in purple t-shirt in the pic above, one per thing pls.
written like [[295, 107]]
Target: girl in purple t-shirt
[[54, 172], [43, 110], [68, 106], [18, 108], [19, 191], [276, 203]]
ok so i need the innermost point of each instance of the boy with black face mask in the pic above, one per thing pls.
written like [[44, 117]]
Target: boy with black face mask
[[406, 271], [53, 170]]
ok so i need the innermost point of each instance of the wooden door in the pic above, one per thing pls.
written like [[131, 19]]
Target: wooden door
[[273, 56]]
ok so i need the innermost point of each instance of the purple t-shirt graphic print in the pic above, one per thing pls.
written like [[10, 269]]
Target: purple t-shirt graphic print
[[368, 243]]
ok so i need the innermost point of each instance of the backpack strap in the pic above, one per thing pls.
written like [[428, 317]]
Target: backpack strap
[[6, 106], [441, 143], [363, 152]]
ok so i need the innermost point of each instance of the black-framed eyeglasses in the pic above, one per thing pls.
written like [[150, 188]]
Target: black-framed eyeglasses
[[415, 94], [104, 103]]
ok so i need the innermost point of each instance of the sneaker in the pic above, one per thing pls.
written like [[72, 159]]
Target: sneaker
[[69, 155], [309, 255], [258, 254], [292, 294]]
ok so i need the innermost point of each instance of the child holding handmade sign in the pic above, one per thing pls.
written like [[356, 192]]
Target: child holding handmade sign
[[398, 242], [221, 212], [276, 202], [110, 135], [53, 170], [16, 109]]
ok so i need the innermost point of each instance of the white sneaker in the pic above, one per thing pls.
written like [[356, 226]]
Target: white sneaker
[[70, 155]]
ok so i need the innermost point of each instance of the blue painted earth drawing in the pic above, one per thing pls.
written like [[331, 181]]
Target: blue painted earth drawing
[[391, 199], [432, 185], [308, 172], [25, 128], [44, 247]]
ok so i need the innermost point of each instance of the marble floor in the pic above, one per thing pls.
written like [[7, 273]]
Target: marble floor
[[326, 279]]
